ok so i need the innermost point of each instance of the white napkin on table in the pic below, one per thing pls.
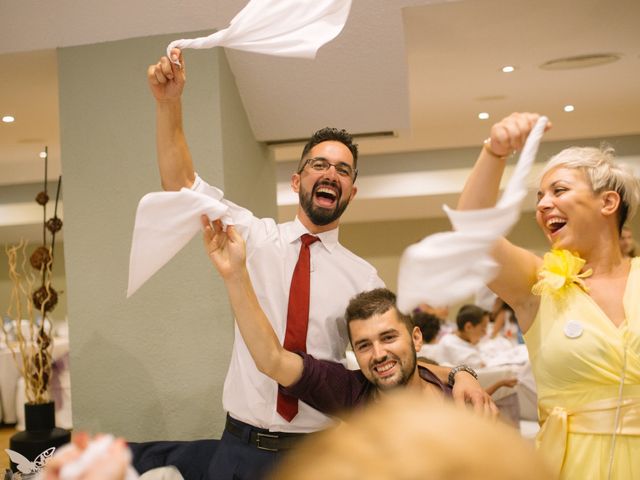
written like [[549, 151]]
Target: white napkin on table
[[165, 223], [288, 28], [448, 267]]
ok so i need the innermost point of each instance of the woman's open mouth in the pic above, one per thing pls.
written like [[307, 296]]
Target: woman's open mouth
[[555, 224]]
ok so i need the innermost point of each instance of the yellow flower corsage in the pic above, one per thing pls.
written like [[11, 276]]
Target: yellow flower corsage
[[560, 268]]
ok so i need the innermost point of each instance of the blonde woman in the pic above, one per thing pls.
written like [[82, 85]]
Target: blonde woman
[[577, 306]]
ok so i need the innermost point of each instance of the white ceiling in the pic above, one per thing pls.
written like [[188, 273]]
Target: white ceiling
[[422, 69]]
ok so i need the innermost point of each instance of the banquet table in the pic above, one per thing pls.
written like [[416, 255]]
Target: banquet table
[[9, 376]]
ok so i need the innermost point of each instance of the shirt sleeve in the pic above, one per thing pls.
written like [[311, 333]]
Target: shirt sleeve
[[430, 377], [457, 352], [328, 386]]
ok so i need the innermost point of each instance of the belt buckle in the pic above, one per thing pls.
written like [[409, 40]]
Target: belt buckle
[[260, 435]]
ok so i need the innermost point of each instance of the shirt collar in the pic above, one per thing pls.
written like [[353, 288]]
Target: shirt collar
[[329, 239]]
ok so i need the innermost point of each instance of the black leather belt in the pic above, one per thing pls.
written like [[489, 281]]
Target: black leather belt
[[261, 438]]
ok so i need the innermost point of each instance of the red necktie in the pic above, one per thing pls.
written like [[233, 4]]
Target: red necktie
[[295, 338]]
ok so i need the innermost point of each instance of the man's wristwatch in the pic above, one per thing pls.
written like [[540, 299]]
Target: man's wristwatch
[[461, 368]]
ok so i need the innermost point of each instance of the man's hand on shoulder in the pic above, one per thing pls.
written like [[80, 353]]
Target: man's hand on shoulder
[[467, 390]]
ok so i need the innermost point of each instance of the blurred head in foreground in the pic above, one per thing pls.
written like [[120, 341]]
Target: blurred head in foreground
[[404, 437]]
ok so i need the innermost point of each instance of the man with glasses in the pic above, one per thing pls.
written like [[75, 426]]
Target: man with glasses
[[261, 424]]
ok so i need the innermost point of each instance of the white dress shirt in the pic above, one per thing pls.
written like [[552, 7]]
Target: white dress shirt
[[336, 276], [430, 351], [454, 351]]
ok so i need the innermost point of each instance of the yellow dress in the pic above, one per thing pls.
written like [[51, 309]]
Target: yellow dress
[[587, 372]]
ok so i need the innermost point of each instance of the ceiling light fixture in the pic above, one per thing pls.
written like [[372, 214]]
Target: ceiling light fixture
[[8, 119], [508, 69], [568, 108], [483, 115]]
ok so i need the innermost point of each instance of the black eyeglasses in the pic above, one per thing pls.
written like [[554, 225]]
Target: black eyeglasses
[[320, 164]]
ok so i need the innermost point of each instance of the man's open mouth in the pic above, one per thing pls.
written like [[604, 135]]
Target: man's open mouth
[[326, 196], [384, 369]]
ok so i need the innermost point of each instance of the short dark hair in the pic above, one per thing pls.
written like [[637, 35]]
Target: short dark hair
[[428, 324], [330, 134], [374, 302], [470, 314]]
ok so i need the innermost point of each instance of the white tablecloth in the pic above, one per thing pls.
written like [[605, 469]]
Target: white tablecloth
[[9, 376]]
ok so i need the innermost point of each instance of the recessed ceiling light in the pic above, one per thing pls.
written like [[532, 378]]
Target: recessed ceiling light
[[8, 119], [568, 108], [43, 154], [508, 68], [483, 115]]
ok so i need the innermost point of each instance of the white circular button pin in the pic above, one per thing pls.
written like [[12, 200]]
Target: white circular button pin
[[573, 329]]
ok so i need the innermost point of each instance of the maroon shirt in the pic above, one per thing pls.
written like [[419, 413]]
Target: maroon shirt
[[331, 388]]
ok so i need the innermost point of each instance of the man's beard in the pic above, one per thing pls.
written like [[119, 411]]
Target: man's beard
[[406, 374], [318, 215]]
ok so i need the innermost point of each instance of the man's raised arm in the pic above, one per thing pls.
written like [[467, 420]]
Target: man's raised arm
[[226, 251], [166, 81]]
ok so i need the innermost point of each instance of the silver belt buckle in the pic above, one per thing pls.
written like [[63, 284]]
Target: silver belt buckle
[[265, 435]]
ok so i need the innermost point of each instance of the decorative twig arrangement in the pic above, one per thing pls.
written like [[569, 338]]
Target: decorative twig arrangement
[[32, 346]]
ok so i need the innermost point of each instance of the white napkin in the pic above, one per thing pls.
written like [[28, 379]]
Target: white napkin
[[448, 267], [288, 28], [165, 223]]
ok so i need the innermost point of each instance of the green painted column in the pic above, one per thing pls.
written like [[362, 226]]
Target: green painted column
[[150, 367]]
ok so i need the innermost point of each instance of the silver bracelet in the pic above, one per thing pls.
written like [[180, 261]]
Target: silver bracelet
[[461, 368]]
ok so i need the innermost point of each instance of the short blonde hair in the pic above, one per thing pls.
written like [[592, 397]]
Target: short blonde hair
[[408, 437], [603, 173]]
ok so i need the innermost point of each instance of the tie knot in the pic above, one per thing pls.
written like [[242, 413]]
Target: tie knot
[[307, 239]]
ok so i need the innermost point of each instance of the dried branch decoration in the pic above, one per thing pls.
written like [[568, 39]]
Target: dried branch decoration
[[32, 345]]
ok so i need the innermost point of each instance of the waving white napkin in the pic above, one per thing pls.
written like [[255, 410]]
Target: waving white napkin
[[165, 223], [447, 267], [288, 28]]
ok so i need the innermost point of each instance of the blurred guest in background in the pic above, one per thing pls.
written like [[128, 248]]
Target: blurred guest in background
[[627, 244], [429, 326], [462, 345]]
